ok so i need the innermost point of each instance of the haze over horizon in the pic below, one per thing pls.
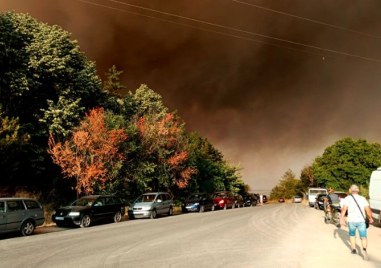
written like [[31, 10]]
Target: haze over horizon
[[271, 88]]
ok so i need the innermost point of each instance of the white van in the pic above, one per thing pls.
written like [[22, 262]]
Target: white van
[[313, 192], [375, 194]]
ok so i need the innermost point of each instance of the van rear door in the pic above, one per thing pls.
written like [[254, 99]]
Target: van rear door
[[375, 194]]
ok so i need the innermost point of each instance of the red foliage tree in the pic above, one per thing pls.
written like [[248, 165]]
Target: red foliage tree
[[91, 154], [162, 136]]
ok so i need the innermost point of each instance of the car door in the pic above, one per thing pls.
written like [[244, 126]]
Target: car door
[[15, 214], [110, 207], [167, 202], [3, 218], [99, 209], [161, 204]]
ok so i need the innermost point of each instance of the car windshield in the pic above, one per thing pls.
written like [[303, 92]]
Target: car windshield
[[316, 192], [342, 195], [196, 196], [220, 195], [84, 201], [145, 198]]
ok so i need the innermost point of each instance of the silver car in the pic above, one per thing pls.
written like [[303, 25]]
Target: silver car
[[20, 214], [149, 205]]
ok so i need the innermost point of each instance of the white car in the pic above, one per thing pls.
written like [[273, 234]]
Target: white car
[[297, 199]]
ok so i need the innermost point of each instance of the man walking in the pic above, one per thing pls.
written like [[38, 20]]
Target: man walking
[[357, 206]]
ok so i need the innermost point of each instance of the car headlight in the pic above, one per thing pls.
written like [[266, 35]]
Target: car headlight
[[196, 204], [74, 213]]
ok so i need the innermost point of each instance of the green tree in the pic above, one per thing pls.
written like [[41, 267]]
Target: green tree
[[287, 187], [347, 162], [148, 102], [47, 83], [307, 177], [112, 85], [214, 173]]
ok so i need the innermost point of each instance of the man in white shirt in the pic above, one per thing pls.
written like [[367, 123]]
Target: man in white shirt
[[355, 218]]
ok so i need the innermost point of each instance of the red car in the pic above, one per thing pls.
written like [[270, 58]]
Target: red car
[[224, 200]]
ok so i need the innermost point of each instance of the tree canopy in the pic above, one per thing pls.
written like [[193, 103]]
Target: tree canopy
[[287, 187], [347, 162], [59, 120]]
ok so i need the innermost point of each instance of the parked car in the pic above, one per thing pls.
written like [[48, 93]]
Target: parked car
[[88, 209], [319, 203], [20, 214], [297, 199], [223, 200], [149, 205], [239, 202], [250, 200], [281, 200], [342, 196], [198, 202], [312, 193]]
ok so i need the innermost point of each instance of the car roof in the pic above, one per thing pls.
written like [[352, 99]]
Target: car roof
[[96, 196], [155, 193], [15, 198]]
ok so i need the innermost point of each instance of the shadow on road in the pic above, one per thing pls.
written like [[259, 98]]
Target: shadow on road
[[344, 236]]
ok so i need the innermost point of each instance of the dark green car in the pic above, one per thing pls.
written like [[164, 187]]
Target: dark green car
[[20, 214]]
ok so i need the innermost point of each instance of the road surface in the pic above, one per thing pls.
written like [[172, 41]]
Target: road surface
[[279, 235]]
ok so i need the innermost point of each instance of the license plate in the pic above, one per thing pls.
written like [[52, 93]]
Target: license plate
[[59, 218]]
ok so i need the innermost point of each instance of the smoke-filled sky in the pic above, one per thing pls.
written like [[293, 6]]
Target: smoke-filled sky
[[270, 83]]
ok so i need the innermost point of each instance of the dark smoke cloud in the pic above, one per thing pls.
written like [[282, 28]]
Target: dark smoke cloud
[[266, 107]]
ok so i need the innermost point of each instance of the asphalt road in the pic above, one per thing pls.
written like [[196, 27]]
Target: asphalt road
[[279, 235]]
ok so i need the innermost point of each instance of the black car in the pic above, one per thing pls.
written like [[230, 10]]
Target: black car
[[250, 200], [239, 202], [319, 203], [198, 202], [89, 209]]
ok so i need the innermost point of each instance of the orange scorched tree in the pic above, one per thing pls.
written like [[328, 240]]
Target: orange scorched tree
[[164, 146], [91, 154]]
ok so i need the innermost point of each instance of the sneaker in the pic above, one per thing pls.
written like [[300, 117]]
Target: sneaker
[[354, 251], [365, 254]]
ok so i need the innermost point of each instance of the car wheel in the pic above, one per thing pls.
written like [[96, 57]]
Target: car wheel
[[117, 217], [202, 209], [153, 214], [27, 228], [85, 221], [170, 211]]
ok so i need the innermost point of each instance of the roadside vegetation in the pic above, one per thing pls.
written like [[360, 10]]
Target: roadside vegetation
[[346, 162], [65, 132]]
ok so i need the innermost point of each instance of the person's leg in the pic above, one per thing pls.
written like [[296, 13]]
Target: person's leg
[[352, 236], [364, 240]]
